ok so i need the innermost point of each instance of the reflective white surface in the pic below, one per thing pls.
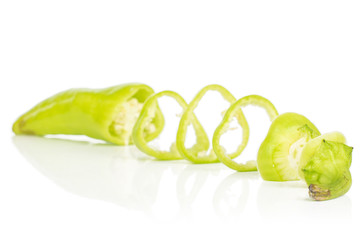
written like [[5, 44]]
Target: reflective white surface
[[166, 196]]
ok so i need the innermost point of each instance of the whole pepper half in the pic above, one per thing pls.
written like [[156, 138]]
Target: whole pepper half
[[107, 114]]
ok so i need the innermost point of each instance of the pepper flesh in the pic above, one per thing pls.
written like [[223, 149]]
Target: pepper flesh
[[286, 137], [196, 155], [106, 114], [232, 112], [147, 113]]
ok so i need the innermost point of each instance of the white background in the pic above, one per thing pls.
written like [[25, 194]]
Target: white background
[[302, 55]]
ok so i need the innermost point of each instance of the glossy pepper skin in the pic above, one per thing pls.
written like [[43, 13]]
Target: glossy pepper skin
[[147, 113], [230, 114], [198, 155], [90, 112], [325, 166]]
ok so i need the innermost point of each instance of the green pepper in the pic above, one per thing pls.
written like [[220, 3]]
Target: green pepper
[[279, 154], [147, 114], [107, 114], [294, 149], [324, 165], [232, 112], [199, 155]]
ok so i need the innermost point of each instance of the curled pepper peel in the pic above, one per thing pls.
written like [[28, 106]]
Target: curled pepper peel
[[197, 155], [106, 114], [232, 112], [147, 113]]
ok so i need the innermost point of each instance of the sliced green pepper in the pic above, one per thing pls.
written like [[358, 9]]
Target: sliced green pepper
[[146, 116], [232, 112], [107, 114], [324, 165], [199, 155], [279, 154]]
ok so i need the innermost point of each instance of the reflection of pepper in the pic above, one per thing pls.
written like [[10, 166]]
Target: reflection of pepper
[[232, 112], [198, 155], [107, 114], [146, 116]]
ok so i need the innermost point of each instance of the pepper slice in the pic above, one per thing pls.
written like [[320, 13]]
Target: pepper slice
[[146, 116], [107, 114], [197, 155], [232, 112], [279, 154]]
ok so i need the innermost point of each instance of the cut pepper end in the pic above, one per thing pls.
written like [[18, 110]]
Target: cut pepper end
[[124, 120], [96, 113], [126, 114]]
